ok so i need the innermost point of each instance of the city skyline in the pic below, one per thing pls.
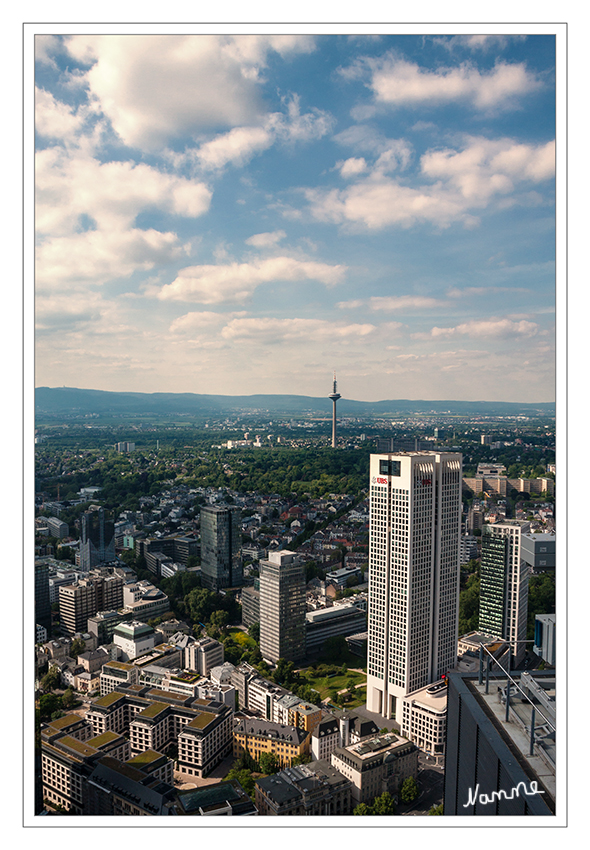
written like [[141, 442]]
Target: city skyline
[[381, 204]]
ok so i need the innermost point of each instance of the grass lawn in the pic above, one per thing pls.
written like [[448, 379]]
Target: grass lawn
[[325, 685], [242, 638]]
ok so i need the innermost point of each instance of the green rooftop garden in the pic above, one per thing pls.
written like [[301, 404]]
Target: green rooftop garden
[[202, 720], [153, 710]]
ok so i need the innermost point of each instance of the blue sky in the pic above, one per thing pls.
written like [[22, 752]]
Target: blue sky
[[244, 214]]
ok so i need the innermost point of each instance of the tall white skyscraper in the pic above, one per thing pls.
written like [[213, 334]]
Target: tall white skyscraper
[[415, 532]]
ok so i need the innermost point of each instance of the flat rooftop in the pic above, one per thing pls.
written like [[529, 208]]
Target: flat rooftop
[[516, 731]]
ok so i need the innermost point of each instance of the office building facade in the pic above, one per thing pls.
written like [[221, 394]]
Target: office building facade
[[503, 602], [220, 547], [414, 535], [282, 607], [97, 540]]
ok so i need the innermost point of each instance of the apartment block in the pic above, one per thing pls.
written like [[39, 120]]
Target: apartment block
[[263, 736], [305, 790], [376, 765]]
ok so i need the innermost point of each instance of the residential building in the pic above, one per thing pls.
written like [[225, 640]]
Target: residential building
[[154, 719], [414, 535], [308, 789], [325, 738], [376, 765], [282, 607], [264, 736], [503, 601], [290, 710], [67, 761], [220, 547], [97, 541], [494, 755]]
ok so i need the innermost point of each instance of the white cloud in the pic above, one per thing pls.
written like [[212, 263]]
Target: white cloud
[[236, 147], [97, 256], [351, 167], [267, 330], [197, 321], [478, 42], [466, 180], [209, 284], [112, 193], [239, 145], [385, 203], [489, 328], [396, 303], [265, 240], [397, 82], [487, 167], [136, 81], [54, 119]]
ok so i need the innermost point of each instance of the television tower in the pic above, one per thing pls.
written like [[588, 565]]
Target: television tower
[[334, 395]]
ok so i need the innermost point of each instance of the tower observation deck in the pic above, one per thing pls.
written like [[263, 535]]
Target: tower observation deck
[[334, 395]]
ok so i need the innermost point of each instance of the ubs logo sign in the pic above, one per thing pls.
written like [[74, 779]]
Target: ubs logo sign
[[375, 480]]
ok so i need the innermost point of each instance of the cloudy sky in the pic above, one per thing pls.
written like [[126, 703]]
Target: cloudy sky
[[245, 214]]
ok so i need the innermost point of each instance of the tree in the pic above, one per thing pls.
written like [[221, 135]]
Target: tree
[[409, 790], [77, 647], [335, 648], [254, 632], [219, 620], [48, 704], [362, 809], [51, 680], [68, 699], [269, 763], [384, 805], [436, 810]]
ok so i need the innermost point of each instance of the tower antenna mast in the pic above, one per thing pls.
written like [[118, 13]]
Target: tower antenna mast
[[334, 395]]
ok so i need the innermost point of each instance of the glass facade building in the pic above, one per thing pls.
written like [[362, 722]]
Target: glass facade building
[[221, 564]]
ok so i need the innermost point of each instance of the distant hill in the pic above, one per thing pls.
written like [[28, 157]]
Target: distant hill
[[69, 400]]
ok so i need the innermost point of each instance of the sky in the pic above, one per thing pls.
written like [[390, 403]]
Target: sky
[[246, 214]]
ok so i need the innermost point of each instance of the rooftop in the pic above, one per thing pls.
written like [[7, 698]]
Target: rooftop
[[202, 720]]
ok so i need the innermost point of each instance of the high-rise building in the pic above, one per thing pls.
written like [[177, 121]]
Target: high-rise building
[[415, 530], [42, 598], [81, 600], [503, 597], [282, 607], [221, 564], [97, 542]]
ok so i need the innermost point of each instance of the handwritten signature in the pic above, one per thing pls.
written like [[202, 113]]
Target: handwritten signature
[[484, 799]]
